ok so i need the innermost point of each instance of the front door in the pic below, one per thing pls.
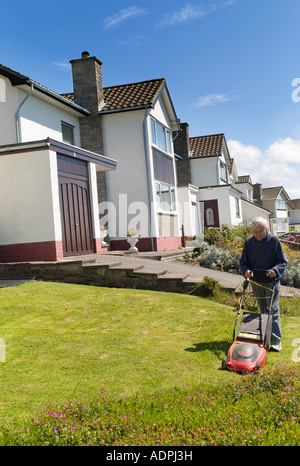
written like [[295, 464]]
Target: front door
[[211, 214], [75, 207]]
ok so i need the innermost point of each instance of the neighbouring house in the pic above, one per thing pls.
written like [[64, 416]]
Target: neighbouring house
[[293, 206], [48, 173], [275, 200], [206, 171], [137, 123], [249, 208]]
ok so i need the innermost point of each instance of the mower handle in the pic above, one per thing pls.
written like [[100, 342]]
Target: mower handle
[[246, 283]]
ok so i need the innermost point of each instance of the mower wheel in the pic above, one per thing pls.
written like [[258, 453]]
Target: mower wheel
[[224, 363], [258, 366]]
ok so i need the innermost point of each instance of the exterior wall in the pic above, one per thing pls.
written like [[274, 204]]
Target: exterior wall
[[29, 205], [123, 138], [39, 118], [251, 210], [8, 106], [204, 171], [127, 137], [189, 211], [94, 206], [294, 217], [226, 204]]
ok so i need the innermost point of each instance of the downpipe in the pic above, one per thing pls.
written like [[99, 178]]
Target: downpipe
[[17, 115]]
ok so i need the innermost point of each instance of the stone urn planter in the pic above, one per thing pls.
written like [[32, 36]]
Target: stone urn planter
[[132, 240], [103, 234]]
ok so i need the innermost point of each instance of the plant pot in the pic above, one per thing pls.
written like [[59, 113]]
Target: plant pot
[[103, 234], [132, 240]]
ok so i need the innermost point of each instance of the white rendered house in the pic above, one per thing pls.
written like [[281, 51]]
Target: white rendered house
[[204, 166], [48, 182]]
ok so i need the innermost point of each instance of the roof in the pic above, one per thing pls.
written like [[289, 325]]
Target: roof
[[293, 204], [129, 96], [18, 79], [273, 193], [201, 146], [244, 179]]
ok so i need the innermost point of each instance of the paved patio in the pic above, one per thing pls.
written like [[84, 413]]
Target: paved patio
[[166, 262]]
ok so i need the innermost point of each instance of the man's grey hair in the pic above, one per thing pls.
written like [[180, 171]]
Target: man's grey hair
[[259, 221]]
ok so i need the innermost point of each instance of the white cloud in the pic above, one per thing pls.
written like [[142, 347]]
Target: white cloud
[[187, 13], [245, 156], [276, 166], [213, 99], [64, 64], [191, 13], [287, 150], [123, 15], [131, 40]]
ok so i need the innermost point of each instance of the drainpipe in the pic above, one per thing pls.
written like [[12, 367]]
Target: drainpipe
[[17, 115], [149, 185], [218, 169]]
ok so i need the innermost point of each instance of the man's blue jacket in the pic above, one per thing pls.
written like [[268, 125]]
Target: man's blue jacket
[[265, 254]]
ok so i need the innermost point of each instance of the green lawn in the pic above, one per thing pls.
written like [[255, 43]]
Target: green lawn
[[67, 341]]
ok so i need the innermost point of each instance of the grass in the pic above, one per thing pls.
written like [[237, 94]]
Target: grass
[[118, 357]]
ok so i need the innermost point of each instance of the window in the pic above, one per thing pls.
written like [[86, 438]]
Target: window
[[280, 205], [210, 220], [280, 226], [165, 197], [161, 136], [223, 171], [250, 194], [237, 207], [67, 133], [163, 167]]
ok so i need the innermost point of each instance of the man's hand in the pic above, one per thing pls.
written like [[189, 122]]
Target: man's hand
[[248, 274], [271, 273]]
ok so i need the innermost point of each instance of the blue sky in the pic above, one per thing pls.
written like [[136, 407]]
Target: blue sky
[[232, 66]]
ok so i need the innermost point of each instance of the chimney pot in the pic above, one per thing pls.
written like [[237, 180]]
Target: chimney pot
[[85, 54]]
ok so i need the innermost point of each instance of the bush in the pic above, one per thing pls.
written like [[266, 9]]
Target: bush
[[217, 258], [221, 250], [209, 287]]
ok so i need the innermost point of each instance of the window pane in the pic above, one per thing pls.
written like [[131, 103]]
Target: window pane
[[173, 206], [281, 205], [161, 139], [153, 131], [67, 133], [165, 197], [163, 168], [157, 194], [210, 221], [168, 137]]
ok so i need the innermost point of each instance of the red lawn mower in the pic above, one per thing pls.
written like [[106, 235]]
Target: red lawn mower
[[248, 352]]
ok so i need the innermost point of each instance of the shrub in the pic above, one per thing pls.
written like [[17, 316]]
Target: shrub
[[209, 287]]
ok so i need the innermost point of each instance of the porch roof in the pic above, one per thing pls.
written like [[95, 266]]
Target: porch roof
[[102, 162]]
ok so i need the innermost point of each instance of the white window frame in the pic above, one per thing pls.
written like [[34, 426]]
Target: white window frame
[[167, 136], [162, 206], [66, 125], [237, 207]]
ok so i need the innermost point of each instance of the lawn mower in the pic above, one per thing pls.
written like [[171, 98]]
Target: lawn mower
[[248, 351]]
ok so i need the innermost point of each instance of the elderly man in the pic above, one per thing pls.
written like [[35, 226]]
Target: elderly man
[[263, 261]]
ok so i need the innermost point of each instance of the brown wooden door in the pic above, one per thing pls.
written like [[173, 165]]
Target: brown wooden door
[[211, 214], [75, 207]]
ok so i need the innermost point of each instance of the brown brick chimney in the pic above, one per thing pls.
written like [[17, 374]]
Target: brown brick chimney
[[182, 148], [88, 92], [257, 193]]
